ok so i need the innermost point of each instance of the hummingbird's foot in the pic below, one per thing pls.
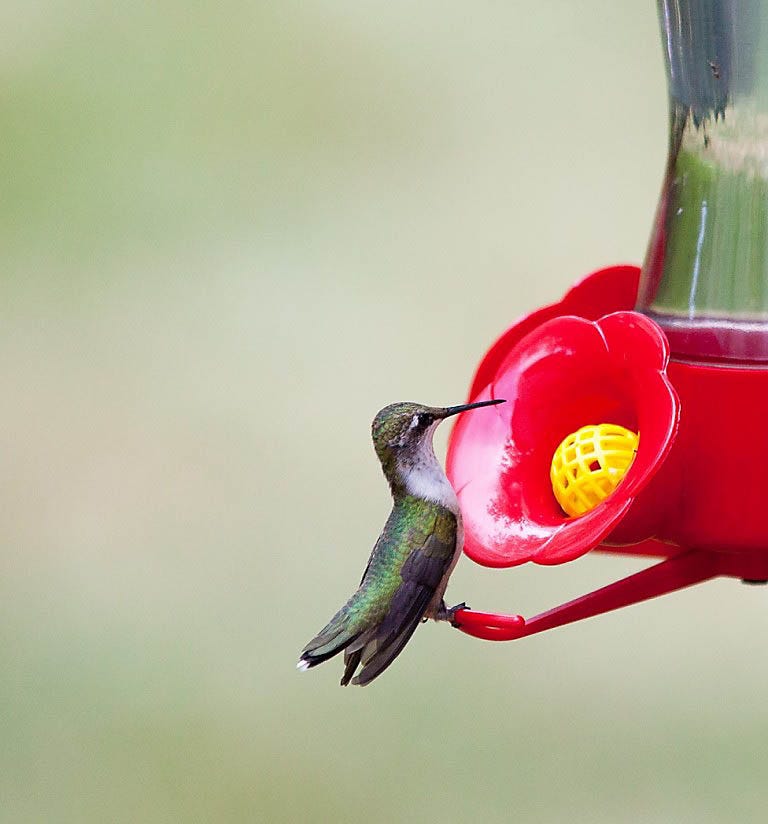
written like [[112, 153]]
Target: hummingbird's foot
[[449, 613]]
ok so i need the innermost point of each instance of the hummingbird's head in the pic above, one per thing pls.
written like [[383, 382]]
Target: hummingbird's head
[[402, 432]]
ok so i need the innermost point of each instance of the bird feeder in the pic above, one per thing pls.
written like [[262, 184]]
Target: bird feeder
[[675, 355]]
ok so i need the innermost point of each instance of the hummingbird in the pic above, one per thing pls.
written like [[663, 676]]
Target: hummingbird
[[410, 564]]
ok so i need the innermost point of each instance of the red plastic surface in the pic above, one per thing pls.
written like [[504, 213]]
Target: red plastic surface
[[599, 293], [682, 570], [565, 374], [715, 485], [693, 494]]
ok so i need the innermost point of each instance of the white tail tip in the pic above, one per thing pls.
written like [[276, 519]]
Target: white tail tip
[[302, 666]]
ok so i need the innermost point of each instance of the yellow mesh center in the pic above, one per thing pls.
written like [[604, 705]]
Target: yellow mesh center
[[589, 464]]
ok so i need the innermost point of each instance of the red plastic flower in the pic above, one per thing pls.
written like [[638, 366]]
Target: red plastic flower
[[607, 290], [558, 373]]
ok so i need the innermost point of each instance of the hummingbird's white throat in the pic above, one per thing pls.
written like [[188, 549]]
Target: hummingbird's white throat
[[423, 476]]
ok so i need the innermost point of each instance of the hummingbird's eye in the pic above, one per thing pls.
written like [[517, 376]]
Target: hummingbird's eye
[[419, 423]]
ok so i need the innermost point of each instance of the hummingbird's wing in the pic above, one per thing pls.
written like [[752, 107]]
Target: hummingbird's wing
[[406, 567], [420, 575]]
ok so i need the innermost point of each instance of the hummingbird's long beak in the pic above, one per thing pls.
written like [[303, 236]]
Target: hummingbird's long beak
[[455, 410]]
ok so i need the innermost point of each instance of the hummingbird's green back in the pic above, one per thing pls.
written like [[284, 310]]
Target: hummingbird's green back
[[406, 568], [418, 534]]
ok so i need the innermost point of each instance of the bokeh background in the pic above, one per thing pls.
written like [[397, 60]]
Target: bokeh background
[[229, 233]]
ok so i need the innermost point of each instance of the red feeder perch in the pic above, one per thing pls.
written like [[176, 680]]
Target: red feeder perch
[[678, 354]]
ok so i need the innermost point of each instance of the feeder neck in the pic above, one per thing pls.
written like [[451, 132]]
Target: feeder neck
[[705, 275]]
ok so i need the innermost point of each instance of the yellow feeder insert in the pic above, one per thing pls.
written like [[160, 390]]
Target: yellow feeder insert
[[589, 464]]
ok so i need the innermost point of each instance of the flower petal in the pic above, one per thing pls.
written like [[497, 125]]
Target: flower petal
[[566, 373], [599, 293]]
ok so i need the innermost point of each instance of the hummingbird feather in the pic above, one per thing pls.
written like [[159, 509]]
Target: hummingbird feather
[[406, 568]]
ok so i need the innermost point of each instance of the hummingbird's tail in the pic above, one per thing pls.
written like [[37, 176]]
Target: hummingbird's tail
[[338, 634], [371, 642]]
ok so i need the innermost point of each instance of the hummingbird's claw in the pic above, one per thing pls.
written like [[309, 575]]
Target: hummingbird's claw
[[449, 613], [452, 613]]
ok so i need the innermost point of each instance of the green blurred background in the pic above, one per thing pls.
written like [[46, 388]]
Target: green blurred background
[[229, 233]]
